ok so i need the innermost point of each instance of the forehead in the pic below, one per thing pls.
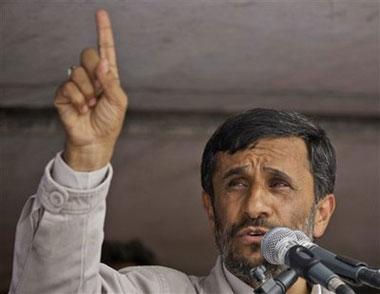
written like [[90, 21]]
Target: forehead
[[287, 154]]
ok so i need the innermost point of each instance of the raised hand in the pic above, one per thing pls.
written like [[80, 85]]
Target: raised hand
[[91, 104]]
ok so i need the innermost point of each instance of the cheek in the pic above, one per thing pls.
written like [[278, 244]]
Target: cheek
[[227, 211], [294, 214]]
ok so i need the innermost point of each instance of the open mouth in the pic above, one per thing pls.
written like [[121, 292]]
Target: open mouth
[[252, 234], [260, 234]]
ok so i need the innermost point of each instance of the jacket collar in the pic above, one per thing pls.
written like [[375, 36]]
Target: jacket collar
[[225, 282]]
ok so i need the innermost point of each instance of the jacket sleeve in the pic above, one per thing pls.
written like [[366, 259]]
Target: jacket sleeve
[[58, 239]]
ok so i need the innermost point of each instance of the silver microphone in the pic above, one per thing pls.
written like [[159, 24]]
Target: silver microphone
[[282, 246]]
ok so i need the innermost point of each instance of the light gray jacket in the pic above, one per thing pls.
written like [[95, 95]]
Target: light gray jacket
[[58, 244]]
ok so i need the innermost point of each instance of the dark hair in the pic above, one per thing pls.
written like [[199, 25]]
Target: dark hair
[[241, 131]]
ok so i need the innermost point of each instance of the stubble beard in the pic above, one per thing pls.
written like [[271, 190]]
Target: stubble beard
[[239, 265]]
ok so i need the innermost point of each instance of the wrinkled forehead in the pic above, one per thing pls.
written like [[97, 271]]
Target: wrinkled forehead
[[287, 154]]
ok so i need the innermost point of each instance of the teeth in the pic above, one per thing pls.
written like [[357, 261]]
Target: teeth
[[255, 234]]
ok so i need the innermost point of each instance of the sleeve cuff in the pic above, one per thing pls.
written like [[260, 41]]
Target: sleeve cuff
[[57, 198], [66, 176]]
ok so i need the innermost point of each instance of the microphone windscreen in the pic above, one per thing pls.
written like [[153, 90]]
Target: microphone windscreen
[[276, 243], [303, 239]]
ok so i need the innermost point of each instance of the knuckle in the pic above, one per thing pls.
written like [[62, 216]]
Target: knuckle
[[88, 93], [88, 52], [89, 57], [79, 76], [65, 91], [67, 88], [70, 91], [83, 81], [77, 73], [105, 28], [106, 45], [56, 101]]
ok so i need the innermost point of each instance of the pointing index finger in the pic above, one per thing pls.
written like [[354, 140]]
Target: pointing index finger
[[106, 44]]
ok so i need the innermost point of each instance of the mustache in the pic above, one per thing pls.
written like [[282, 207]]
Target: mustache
[[249, 222]]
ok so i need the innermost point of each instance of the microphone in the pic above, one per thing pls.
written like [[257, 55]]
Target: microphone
[[353, 271], [281, 246], [278, 285]]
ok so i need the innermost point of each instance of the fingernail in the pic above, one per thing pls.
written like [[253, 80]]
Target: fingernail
[[92, 101], [84, 108], [104, 66]]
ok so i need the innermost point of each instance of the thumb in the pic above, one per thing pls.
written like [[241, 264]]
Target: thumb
[[109, 82]]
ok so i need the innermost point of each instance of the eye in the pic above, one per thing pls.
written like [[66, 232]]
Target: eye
[[237, 183], [277, 183]]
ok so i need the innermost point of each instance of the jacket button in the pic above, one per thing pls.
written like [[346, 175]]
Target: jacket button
[[56, 199]]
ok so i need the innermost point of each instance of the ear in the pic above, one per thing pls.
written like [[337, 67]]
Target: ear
[[207, 205], [325, 209]]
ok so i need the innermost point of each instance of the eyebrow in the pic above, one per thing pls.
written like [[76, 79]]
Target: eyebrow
[[280, 174], [235, 171], [272, 171]]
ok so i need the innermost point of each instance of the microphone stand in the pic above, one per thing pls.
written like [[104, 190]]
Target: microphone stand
[[352, 271], [308, 266], [279, 285]]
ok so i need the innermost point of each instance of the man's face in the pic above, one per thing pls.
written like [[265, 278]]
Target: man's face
[[255, 190]]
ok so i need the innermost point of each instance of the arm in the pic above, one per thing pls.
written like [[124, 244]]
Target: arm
[[58, 239], [60, 231]]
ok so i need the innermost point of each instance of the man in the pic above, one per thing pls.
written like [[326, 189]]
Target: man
[[260, 169]]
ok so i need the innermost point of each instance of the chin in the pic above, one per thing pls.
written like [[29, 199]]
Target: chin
[[250, 253], [254, 258], [241, 258]]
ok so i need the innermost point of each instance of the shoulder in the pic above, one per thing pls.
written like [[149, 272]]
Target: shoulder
[[152, 270], [159, 277]]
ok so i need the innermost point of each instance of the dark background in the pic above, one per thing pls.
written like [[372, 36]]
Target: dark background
[[186, 66]]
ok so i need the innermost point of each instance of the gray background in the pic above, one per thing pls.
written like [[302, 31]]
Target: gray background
[[186, 66]]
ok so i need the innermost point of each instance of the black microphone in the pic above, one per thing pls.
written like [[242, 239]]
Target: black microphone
[[281, 246], [353, 271], [278, 285]]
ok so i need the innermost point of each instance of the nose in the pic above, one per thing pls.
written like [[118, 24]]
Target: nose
[[257, 203]]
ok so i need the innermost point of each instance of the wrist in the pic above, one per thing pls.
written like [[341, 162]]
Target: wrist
[[89, 157]]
